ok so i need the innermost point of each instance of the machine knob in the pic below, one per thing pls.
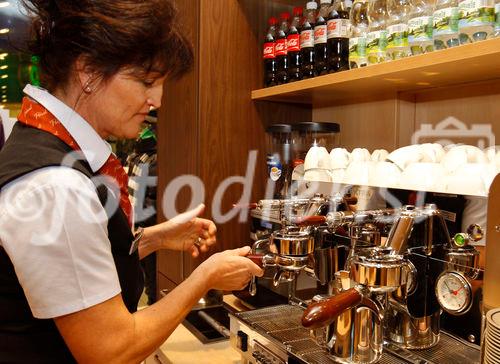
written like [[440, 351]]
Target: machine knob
[[475, 232]]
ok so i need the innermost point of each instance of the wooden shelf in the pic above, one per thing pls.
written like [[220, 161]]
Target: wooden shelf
[[468, 63]]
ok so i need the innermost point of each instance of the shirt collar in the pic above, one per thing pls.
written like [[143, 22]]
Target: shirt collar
[[95, 149]]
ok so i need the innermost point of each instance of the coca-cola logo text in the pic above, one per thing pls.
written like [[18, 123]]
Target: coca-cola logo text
[[319, 32], [269, 50], [305, 36], [281, 47], [293, 43], [332, 25]]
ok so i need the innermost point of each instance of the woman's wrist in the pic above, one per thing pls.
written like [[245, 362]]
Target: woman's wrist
[[150, 241], [204, 274]]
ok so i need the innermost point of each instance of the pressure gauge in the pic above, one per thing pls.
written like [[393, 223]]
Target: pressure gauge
[[454, 293]]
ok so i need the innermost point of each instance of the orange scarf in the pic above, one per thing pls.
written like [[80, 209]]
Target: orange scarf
[[37, 116]]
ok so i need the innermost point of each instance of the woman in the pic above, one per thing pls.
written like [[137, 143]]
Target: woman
[[69, 263]]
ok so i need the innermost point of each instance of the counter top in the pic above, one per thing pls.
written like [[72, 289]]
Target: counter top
[[182, 347]]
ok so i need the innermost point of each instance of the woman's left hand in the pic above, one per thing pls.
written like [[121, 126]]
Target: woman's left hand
[[188, 232]]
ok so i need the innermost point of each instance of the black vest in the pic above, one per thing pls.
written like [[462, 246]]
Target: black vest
[[23, 338]]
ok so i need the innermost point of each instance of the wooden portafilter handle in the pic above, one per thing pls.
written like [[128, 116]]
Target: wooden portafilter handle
[[257, 259], [309, 220], [322, 313]]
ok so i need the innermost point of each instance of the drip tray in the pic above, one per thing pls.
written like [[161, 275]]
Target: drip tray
[[209, 325]]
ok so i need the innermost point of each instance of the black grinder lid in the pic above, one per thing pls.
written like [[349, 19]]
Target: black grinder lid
[[311, 126], [279, 128]]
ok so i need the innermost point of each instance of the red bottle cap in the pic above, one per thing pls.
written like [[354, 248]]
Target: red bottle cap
[[285, 16], [297, 11], [272, 21]]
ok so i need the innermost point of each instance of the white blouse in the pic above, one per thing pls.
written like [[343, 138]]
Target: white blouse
[[53, 226]]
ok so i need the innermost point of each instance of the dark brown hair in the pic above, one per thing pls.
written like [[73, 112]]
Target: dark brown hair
[[111, 34]]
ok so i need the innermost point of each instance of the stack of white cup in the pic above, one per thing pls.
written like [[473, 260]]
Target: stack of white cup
[[491, 351], [457, 169]]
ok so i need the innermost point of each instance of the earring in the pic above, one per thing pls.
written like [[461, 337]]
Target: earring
[[87, 89]]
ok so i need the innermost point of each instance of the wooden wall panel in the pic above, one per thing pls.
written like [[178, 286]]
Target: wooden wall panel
[[470, 103], [229, 124], [178, 152], [405, 120], [371, 125]]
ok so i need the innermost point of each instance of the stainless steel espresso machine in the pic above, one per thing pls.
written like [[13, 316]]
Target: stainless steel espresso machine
[[389, 273]]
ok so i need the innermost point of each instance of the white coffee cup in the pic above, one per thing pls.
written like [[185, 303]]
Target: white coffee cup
[[317, 157], [338, 175], [318, 175], [497, 162], [385, 174], [339, 158], [491, 153], [379, 155], [360, 155], [423, 177], [453, 159], [404, 156], [469, 179], [474, 154], [358, 173], [432, 152]]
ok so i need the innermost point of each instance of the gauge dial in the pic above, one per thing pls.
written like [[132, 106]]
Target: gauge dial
[[454, 293]]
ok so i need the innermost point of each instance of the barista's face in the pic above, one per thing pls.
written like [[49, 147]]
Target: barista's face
[[120, 105]]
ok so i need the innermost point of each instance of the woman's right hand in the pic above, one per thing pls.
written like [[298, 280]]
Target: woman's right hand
[[230, 270]]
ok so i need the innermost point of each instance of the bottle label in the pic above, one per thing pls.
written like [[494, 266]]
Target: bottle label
[[307, 39], [376, 42], [420, 29], [397, 35], [274, 167], [476, 13], [357, 51], [320, 34], [338, 28], [269, 50], [446, 21], [497, 16], [293, 43], [280, 47]]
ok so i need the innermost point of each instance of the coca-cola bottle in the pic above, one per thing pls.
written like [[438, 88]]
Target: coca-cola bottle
[[338, 37], [293, 45], [307, 40], [320, 39], [282, 50], [270, 54]]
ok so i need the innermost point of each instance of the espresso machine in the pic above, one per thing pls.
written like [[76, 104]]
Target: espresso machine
[[293, 249], [384, 297]]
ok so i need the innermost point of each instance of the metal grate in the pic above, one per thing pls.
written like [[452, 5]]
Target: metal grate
[[276, 325], [450, 351], [290, 335], [280, 312], [282, 323], [389, 359], [319, 357], [303, 346]]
